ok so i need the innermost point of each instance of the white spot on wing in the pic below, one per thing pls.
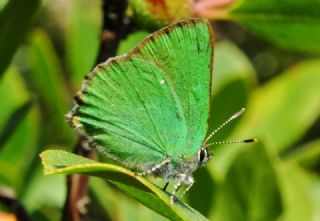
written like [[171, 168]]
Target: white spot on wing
[[162, 82]]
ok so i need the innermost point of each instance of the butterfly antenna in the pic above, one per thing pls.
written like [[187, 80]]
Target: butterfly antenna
[[234, 116], [230, 142]]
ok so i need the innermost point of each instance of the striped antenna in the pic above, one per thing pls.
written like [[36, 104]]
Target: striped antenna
[[234, 116], [230, 142]]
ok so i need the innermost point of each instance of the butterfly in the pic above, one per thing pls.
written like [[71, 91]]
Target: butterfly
[[149, 109]]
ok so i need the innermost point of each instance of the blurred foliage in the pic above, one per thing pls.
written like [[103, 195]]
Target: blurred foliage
[[46, 49], [153, 15], [292, 24], [15, 19]]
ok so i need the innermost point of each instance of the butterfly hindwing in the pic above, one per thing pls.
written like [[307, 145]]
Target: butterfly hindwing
[[130, 108]]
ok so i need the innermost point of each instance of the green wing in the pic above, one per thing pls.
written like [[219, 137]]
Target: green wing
[[152, 103], [184, 51]]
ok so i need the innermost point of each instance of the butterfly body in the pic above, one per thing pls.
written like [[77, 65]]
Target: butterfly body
[[149, 109], [181, 165]]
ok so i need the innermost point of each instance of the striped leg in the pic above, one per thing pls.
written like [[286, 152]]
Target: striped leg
[[156, 167], [184, 179], [190, 183]]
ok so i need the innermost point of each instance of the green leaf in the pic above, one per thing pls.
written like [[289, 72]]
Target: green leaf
[[307, 155], [48, 82], [13, 87], [281, 111], [290, 24], [3, 4], [60, 162], [250, 190], [22, 141], [14, 121], [116, 205], [297, 194], [36, 195], [15, 19], [230, 64], [284, 108], [83, 33]]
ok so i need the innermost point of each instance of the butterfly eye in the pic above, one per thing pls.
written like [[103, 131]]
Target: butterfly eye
[[202, 155]]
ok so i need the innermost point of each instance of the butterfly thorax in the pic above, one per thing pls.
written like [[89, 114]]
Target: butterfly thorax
[[172, 170], [182, 165]]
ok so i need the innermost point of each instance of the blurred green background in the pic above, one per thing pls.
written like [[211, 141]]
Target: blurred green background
[[266, 59]]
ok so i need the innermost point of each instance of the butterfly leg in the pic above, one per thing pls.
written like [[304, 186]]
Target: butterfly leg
[[184, 179], [190, 183], [156, 167]]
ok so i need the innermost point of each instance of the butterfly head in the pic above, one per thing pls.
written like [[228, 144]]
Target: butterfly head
[[203, 156]]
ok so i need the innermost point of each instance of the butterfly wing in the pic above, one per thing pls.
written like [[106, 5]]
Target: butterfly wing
[[140, 108], [128, 107], [185, 53]]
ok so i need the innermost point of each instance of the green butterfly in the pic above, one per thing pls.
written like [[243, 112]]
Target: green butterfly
[[149, 109]]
